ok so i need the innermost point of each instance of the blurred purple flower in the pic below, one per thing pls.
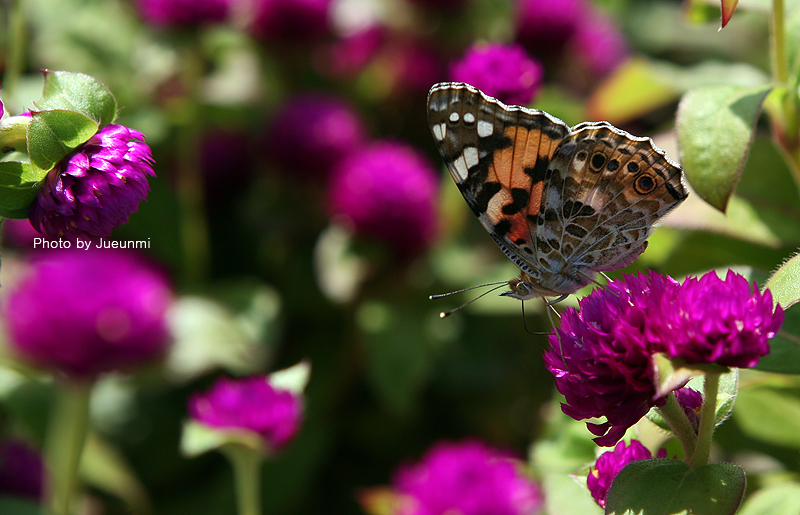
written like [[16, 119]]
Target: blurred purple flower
[[691, 401], [544, 27], [466, 478], [96, 187], [2, 109], [601, 354], [183, 13], [21, 470], [502, 71], [19, 233], [714, 321], [610, 463], [290, 21], [312, 132], [85, 312], [250, 404], [389, 191], [348, 56], [598, 47]]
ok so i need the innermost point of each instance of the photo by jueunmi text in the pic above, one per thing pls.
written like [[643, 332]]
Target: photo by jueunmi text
[[43, 243]]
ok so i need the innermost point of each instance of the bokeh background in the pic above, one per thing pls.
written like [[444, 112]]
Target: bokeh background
[[303, 213]]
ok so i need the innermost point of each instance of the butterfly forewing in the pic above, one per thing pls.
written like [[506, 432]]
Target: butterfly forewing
[[562, 203]]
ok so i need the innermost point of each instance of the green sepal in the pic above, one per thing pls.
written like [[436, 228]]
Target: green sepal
[[671, 374], [69, 91], [198, 439], [54, 134], [18, 189]]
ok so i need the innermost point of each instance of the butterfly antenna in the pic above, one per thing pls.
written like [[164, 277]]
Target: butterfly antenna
[[445, 314]]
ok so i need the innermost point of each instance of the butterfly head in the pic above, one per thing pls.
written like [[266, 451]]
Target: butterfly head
[[525, 287]]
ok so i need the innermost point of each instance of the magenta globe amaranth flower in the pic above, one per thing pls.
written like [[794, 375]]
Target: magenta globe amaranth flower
[[21, 470], [545, 27], [250, 404], [502, 71], [96, 187], [312, 132], [389, 192], [466, 478], [610, 463], [714, 321], [183, 13], [85, 312]]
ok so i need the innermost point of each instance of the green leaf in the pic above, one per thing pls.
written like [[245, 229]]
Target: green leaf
[[715, 130], [728, 6], [770, 414], [19, 506], [563, 494], [668, 486], [17, 189], [785, 283], [53, 134], [775, 499], [68, 91]]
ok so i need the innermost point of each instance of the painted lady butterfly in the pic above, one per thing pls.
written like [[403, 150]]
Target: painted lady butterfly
[[563, 203]]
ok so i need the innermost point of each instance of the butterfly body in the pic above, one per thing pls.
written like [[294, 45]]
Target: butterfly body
[[562, 203]]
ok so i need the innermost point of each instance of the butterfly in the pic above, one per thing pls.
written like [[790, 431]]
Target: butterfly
[[564, 204]]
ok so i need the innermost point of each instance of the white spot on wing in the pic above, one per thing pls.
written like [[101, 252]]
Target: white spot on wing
[[485, 129], [470, 156], [469, 118], [439, 131], [454, 117], [461, 169]]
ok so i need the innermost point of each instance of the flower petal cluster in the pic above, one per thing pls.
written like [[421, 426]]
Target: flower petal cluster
[[85, 312], [389, 192], [96, 187], [602, 355], [466, 478], [250, 404], [728, 322], [610, 463], [502, 71], [312, 132], [183, 13]]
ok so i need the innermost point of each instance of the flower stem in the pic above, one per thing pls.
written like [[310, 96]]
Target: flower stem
[[780, 66], [708, 420], [66, 437], [679, 423], [247, 475], [15, 49]]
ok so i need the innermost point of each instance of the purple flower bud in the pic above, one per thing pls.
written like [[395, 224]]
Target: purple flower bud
[[290, 21], [21, 470], [183, 13], [389, 191], [85, 312], [312, 132], [610, 463], [96, 187], [250, 404], [466, 478], [691, 401], [502, 71], [714, 321]]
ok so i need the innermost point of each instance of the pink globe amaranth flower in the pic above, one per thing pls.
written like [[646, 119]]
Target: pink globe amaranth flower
[[183, 13], [312, 132], [728, 322], [85, 312], [466, 478], [250, 404], [601, 356], [290, 21], [349, 55], [610, 463], [597, 47], [545, 27], [21, 470], [502, 71], [389, 192], [96, 187], [19, 233]]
